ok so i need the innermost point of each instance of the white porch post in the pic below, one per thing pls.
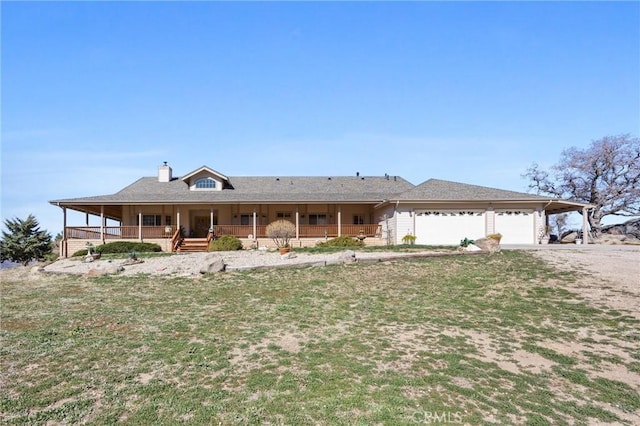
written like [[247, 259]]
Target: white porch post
[[140, 225], [211, 220], [63, 246], [585, 226], [339, 221], [178, 219], [102, 221], [255, 224], [297, 223]]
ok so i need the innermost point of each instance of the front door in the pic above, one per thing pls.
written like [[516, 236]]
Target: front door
[[201, 226]]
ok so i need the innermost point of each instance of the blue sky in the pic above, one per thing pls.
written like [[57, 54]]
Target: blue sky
[[96, 95]]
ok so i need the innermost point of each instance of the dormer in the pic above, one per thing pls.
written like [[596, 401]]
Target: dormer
[[205, 179]]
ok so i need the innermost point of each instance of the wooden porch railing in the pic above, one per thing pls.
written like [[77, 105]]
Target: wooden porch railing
[[240, 231], [116, 232]]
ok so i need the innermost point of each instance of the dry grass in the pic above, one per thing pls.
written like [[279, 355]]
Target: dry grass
[[477, 339]]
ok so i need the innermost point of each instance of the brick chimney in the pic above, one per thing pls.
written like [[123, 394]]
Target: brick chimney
[[164, 173]]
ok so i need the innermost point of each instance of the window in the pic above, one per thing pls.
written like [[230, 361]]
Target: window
[[167, 220], [317, 219], [246, 219], [205, 183], [149, 220], [358, 219], [283, 215]]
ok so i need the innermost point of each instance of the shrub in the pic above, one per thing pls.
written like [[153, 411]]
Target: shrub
[[341, 242], [466, 242], [226, 243], [409, 239], [281, 231], [122, 247], [496, 236]]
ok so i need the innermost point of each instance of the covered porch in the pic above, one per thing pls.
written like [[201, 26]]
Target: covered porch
[[165, 224]]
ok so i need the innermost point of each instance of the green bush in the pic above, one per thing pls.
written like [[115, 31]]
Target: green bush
[[466, 242], [341, 242], [122, 247], [226, 243]]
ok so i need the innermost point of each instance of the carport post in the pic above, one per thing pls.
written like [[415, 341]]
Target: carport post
[[585, 226]]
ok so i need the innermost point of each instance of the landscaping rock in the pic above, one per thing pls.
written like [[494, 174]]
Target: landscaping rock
[[347, 256], [569, 238], [472, 247], [211, 264], [104, 268], [490, 245]]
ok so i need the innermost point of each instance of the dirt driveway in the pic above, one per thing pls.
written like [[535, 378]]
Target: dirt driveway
[[612, 274]]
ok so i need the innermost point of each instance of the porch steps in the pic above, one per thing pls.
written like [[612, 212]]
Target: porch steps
[[193, 245]]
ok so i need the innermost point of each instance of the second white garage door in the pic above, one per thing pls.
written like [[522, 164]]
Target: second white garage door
[[439, 227], [516, 226]]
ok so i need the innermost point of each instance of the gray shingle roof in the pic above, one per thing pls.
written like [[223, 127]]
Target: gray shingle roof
[[442, 190], [259, 189]]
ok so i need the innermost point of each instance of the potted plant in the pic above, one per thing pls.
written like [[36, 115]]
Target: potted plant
[[497, 236], [281, 231]]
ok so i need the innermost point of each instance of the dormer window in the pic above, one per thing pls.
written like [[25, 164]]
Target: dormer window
[[205, 183]]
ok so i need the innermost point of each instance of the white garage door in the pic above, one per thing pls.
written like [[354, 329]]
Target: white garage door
[[439, 227], [516, 226]]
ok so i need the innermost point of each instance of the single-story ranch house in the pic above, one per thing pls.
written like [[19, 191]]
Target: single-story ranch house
[[180, 213]]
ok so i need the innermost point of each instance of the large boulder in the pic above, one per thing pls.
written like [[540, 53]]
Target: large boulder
[[490, 245], [104, 268], [630, 228], [569, 237], [212, 263]]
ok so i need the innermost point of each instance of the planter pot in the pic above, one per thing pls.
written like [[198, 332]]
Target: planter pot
[[284, 250], [96, 256]]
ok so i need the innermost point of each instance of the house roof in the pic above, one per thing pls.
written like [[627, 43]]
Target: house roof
[[241, 189], [303, 189], [443, 190], [436, 190]]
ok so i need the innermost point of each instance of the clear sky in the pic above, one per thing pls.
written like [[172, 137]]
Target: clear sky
[[96, 95]]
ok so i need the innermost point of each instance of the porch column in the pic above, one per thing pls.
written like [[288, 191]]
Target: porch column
[[585, 226], [255, 224], [339, 221], [178, 219], [211, 220], [297, 223], [63, 246], [140, 225], [102, 223]]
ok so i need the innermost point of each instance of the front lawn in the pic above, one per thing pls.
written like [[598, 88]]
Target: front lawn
[[466, 339]]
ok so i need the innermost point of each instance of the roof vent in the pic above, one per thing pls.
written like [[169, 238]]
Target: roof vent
[[278, 179], [357, 174]]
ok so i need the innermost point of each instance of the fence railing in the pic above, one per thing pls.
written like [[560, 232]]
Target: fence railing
[[117, 232], [240, 231]]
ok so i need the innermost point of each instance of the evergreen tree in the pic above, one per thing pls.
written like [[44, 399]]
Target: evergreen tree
[[23, 241]]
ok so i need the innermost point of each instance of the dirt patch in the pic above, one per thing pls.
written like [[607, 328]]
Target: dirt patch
[[610, 277]]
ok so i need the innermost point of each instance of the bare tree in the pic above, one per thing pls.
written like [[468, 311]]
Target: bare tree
[[606, 175], [559, 221]]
